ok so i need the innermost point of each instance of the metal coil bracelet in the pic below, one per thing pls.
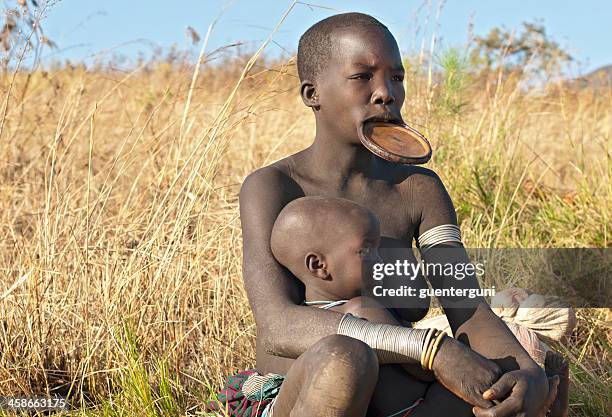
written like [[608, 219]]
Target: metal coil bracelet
[[392, 344]]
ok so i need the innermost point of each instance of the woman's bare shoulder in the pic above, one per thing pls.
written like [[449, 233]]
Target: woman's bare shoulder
[[272, 183], [421, 178], [415, 182]]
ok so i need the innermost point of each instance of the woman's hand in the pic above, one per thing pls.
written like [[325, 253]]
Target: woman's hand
[[523, 393], [465, 373]]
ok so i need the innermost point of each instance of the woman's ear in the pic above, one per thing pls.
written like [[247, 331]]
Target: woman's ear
[[315, 262], [309, 94]]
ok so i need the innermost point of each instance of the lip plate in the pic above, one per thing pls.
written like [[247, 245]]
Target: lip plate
[[392, 156]]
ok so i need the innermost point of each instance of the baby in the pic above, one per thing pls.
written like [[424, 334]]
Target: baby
[[328, 243]]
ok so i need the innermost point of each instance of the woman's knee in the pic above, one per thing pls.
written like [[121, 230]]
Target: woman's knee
[[340, 374], [347, 356]]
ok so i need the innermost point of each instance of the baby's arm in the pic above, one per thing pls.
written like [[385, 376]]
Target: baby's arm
[[379, 314], [376, 313]]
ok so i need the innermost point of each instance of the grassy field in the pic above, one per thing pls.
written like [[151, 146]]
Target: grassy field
[[120, 261]]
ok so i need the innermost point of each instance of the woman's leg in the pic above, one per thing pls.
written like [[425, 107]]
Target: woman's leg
[[397, 390], [335, 377], [441, 402], [339, 376]]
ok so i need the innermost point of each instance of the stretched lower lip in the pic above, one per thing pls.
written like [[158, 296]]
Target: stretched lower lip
[[393, 148], [393, 122]]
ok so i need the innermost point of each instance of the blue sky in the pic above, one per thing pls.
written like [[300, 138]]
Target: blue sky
[[83, 28]]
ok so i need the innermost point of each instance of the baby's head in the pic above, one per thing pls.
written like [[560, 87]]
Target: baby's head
[[350, 70], [326, 243]]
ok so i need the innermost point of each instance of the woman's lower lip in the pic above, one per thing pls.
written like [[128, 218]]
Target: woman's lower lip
[[395, 122]]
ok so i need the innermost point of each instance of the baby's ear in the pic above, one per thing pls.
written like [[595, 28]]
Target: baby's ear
[[317, 266], [309, 94]]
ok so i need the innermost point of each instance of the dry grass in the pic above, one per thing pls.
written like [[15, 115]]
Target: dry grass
[[120, 262]]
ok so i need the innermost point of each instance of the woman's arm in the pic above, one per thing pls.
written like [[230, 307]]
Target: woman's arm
[[471, 319], [377, 313], [284, 328], [476, 325]]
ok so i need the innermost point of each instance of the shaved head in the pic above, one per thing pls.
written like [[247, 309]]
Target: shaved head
[[316, 44], [317, 225]]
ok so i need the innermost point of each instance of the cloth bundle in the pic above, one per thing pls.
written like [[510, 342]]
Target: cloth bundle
[[534, 319], [245, 394]]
